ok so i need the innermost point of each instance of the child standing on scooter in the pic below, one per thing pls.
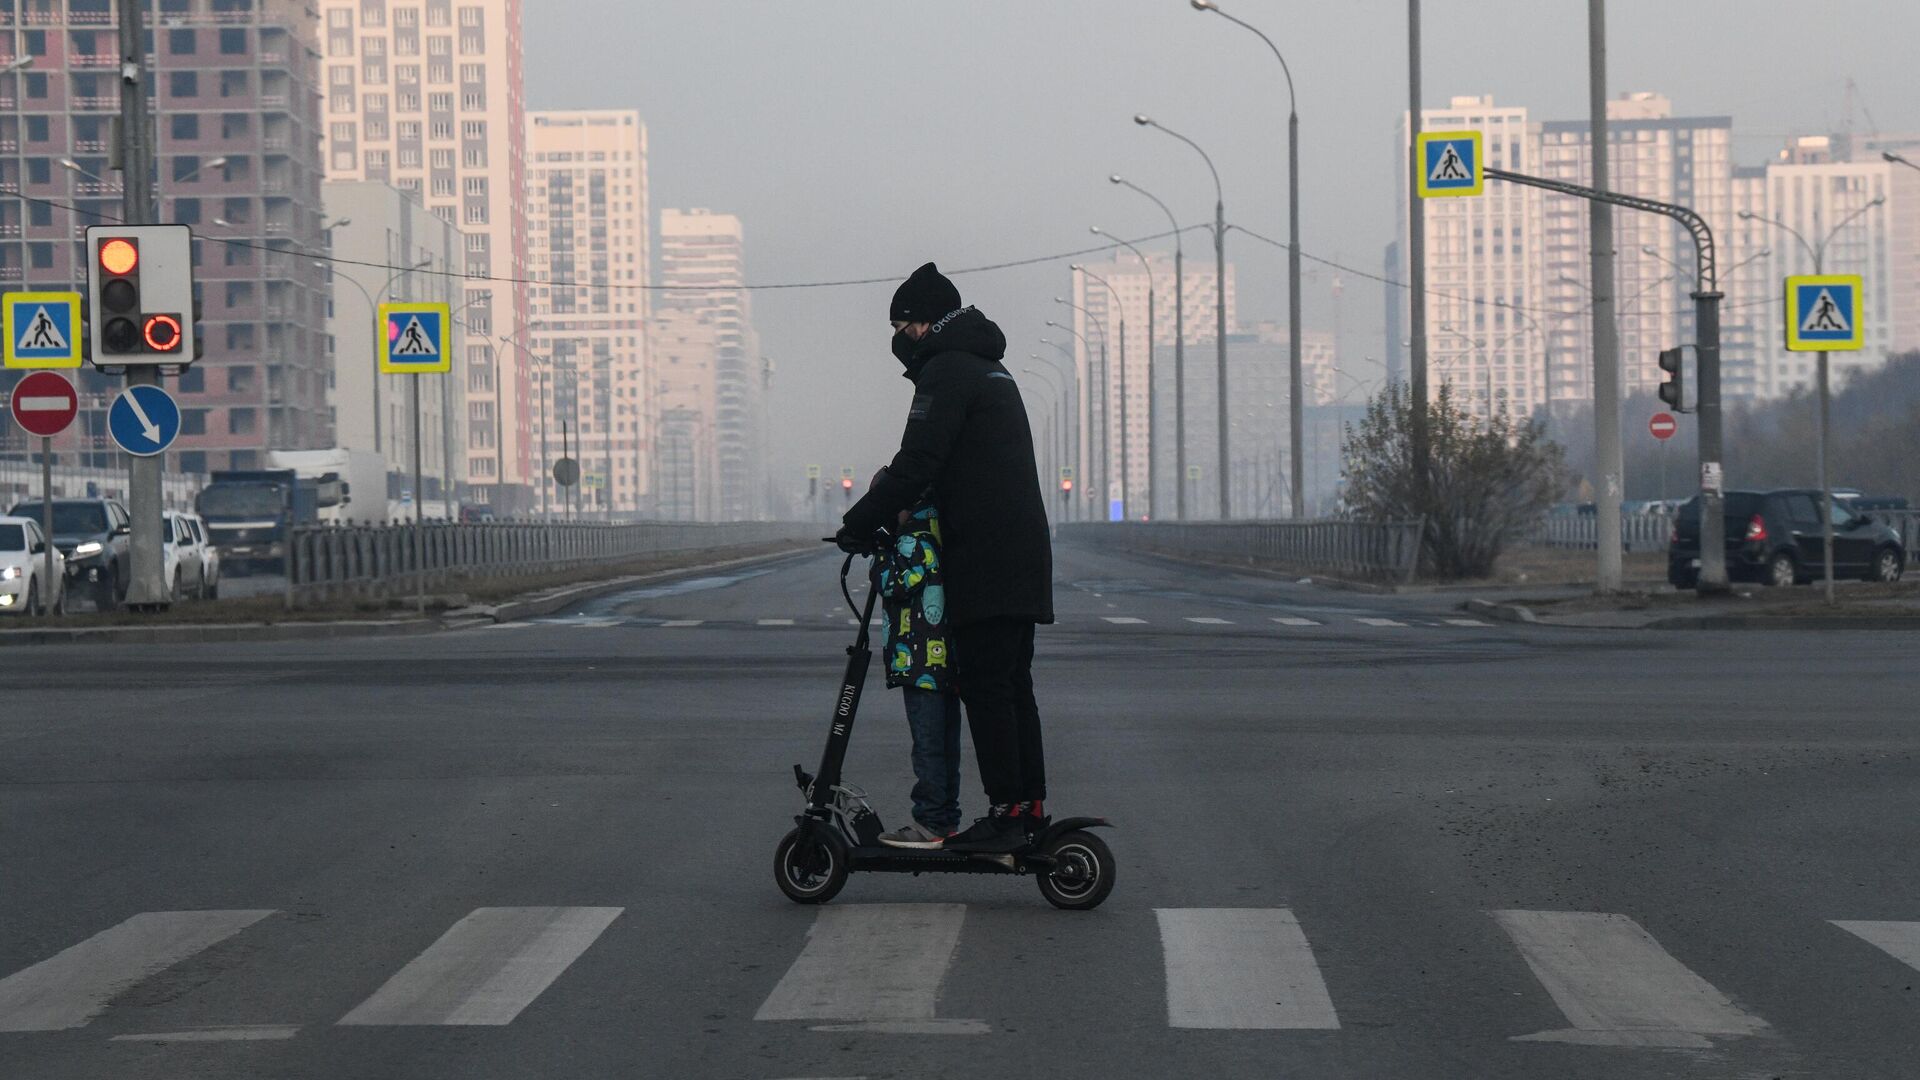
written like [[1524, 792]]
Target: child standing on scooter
[[915, 602]]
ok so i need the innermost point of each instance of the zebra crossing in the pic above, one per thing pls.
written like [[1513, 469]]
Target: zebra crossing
[[1403, 622], [882, 968]]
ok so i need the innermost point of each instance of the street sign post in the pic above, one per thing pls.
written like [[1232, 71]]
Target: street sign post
[[1451, 163], [144, 420], [42, 329], [1662, 426], [413, 340], [44, 404], [566, 472]]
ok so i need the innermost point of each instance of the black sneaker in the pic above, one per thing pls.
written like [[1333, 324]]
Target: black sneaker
[[1000, 831]]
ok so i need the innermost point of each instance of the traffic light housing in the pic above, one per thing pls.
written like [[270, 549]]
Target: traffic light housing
[[140, 296], [1672, 390]]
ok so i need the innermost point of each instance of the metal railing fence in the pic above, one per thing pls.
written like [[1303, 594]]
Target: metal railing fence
[[334, 561], [1639, 532], [1385, 551]]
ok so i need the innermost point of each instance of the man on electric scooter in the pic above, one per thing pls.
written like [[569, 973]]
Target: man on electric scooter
[[967, 438]]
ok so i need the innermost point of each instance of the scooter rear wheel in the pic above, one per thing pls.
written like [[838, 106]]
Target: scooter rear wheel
[[1082, 874], [809, 870]]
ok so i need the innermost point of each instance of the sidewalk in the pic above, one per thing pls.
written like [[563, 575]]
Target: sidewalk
[[1857, 606]]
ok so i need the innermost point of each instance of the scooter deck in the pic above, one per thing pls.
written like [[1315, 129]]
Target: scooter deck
[[884, 859]]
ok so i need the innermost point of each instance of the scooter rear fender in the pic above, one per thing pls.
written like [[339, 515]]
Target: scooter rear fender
[[1067, 825]]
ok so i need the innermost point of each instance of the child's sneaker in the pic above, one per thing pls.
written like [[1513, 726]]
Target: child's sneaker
[[914, 835]]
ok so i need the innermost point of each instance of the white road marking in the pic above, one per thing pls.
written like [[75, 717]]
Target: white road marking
[[683, 622], [229, 1033], [1123, 620], [773, 622], [1293, 620], [870, 963], [1241, 968], [1900, 940], [1617, 986], [508, 626], [1466, 622], [1363, 620], [73, 986], [487, 967], [1208, 620]]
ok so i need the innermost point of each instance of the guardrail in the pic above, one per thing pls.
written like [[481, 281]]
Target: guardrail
[[1639, 532], [1386, 551], [332, 561]]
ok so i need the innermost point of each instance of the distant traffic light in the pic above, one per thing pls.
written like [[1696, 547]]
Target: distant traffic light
[[1672, 391]]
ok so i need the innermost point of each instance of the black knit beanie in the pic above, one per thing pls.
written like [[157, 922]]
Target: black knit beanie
[[924, 297]]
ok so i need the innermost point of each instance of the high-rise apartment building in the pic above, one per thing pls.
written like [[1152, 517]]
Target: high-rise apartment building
[[427, 95], [236, 110], [588, 241], [702, 267], [684, 347]]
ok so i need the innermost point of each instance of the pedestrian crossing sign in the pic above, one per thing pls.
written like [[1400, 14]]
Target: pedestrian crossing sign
[[42, 329], [1450, 163], [413, 338], [1825, 313]]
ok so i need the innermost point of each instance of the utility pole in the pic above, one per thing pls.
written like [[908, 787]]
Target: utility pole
[[148, 587], [1417, 266], [1220, 341], [1608, 458]]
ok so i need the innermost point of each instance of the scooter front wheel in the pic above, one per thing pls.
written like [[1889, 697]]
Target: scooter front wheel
[[1082, 873], [808, 869]]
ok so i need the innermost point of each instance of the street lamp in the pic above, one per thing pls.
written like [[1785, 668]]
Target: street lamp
[[1071, 433], [1294, 344], [1069, 410], [1892, 158], [1096, 428], [1152, 305], [1179, 353], [1060, 392], [1220, 296], [21, 64], [1819, 254], [1126, 467]]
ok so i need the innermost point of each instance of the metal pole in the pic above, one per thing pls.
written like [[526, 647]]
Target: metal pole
[[1608, 457], [1826, 480], [546, 464], [1417, 268], [1713, 526], [1126, 463], [1296, 415], [1179, 381], [145, 560], [419, 505], [1152, 303], [1220, 342], [46, 514]]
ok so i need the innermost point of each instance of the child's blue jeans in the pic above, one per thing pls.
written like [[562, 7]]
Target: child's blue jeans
[[934, 719]]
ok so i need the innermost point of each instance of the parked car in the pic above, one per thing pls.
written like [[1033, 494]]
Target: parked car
[[1864, 503], [182, 556], [209, 557], [24, 586], [1775, 537], [92, 534]]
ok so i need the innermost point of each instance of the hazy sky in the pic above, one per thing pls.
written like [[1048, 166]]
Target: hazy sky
[[858, 139]]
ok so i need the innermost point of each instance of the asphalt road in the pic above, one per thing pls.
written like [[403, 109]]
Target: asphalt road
[[1358, 836]]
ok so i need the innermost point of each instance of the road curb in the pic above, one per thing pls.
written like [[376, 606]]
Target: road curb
[[1785, 622], [1513, 613], [219, 632]]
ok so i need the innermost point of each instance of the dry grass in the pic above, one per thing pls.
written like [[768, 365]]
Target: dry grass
[[1532, 565]]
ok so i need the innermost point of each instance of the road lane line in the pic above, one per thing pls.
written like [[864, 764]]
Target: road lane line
[[486, 968], [1900, 940], [683, 622], [74, 986], [1616, 985], [1208, 620], [228, 1033], [1293, 620], [1123, 620], [871, 964], [773, 622], [1466, 622], [1363, 620], [1241, 968]]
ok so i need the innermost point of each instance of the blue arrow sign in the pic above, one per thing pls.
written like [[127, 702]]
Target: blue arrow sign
[[144, 420]]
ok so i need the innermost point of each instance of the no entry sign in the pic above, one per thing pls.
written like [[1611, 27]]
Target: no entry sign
[[1663, 426], [44, 403]]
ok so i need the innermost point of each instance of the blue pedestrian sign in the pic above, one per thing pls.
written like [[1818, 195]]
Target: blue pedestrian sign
[[41, 330], [1450, 163], [1824, 313], [413, 338], [144, 420]]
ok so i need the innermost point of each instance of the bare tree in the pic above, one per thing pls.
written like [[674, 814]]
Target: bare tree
[[1489, 483]]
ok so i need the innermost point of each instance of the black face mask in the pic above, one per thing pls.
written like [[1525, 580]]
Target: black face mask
[[903, 347]]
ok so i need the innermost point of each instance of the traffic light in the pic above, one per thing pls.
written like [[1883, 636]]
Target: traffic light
[[1672, 390], [140, 295]]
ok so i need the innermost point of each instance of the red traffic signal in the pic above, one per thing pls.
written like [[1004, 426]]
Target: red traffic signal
[[1066, 485], [846, 483], [119, 256], [162, 333]]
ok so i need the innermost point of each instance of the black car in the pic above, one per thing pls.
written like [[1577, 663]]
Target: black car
[[92, 534], [1775, 537]]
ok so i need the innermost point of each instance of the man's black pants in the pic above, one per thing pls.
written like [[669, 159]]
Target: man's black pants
[[993, 669]]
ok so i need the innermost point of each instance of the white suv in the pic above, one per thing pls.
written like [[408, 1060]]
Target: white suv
[[184, 556], [24, 588]]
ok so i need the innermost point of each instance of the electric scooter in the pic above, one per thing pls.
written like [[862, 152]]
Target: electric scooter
[[838, 832]]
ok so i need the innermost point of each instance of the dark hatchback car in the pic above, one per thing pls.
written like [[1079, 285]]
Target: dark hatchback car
[[1775, 537]]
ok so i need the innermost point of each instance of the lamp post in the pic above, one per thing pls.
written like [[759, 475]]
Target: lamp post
[[374, 300], [1295, 413], [1075, 450], [1220, 298], [1083, 406], [1152, 305], [1818, 252], [1126, 469], [1099, 450], [1051, 415], [1067, 395], [1179, 355]]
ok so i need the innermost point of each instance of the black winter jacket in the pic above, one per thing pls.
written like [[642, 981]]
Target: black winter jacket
[[967, 437]]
